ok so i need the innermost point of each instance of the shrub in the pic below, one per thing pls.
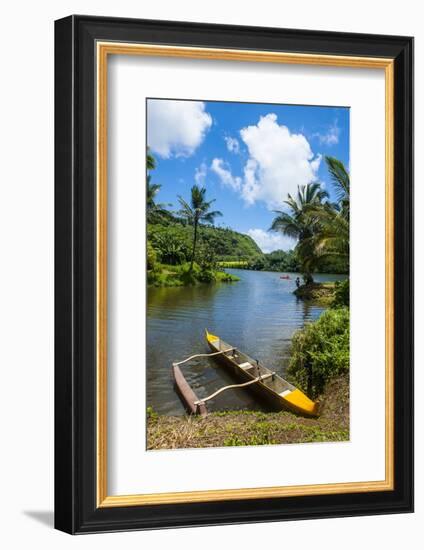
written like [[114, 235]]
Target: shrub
[[320, 351], [341, 294], [226, 277], [206, 276], [151, 256], [206, 258]]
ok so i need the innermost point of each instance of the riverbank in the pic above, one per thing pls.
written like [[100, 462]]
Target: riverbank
[[321, 293], [239, 428], [163, 275], [259, 314]]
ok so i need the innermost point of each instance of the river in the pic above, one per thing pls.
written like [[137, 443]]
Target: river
[[258, 315]]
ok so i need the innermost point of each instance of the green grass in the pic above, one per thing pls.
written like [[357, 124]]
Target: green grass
[[235, 264], [240, 428], [181, 275]]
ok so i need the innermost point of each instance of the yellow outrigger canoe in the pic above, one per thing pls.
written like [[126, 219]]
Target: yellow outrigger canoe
[[277, 391]]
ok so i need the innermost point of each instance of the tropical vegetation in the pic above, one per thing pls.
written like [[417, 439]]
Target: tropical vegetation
[[182, 247], [321, 227], [173, 242], [198, 210], [320, 351]]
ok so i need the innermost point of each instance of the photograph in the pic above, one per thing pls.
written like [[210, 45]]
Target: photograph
[[247, 273], [218, 306]]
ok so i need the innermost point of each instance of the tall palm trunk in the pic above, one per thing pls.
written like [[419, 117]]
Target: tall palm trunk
[[194, 244], [308, 277]]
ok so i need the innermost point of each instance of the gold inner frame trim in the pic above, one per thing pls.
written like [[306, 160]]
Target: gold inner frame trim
[[104, 49]]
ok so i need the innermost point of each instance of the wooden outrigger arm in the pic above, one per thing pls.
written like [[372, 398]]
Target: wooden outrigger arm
[[258, 379], [192, 402], [190, 399], [203, 355]]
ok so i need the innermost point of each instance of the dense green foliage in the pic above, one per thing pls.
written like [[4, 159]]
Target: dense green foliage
[[320, 351], [279, 260], [173, 243], [341, 294], [284, 261], [196, 211], [185, 274], [183, 248], [151, 256]]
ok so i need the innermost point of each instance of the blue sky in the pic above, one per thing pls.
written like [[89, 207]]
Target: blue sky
[[247, 155]]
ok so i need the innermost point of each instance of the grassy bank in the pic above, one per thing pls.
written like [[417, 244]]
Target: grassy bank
[[239, 264], [181, 275], [320, 293], [320, 352], [237, 428], [325, 294]]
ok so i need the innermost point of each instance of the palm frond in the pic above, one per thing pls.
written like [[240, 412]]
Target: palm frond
[[339, 177], [209, 217], [150, 161]]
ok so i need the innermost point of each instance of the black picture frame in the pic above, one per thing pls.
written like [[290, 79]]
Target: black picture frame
[[76, 510]]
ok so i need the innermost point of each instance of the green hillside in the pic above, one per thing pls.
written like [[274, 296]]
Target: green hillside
[[173, 243]]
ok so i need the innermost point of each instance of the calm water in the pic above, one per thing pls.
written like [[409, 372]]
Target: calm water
[[258, 315]]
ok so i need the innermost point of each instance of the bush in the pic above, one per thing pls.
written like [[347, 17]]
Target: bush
[[182, 275], [206, 276], [206, 258], [226, 277], [341, 294], [151, 256], [320, 351]]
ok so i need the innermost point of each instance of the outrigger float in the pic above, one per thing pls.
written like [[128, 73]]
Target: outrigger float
[[279, 393]]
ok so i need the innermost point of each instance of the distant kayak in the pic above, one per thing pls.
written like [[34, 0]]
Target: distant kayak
[[284, 276]]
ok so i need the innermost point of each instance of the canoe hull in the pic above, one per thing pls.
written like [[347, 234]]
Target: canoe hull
[[258, 389], [186, 393], [267, 394]]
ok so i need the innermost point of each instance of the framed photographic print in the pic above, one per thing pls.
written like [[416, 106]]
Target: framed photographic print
[[234, 267]]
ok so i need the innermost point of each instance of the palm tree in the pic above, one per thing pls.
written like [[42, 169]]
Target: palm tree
[[341, 181], [299, 223], [197, 211], [295, 224], [330, 239], [155, 211], [331, 234], [152, 189], [150, 161]]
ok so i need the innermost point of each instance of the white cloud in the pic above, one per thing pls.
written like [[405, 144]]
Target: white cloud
[[176, 128], [218, 166], [278, 162], [200, 174], [232, 145], [331, 137], [268, 242]]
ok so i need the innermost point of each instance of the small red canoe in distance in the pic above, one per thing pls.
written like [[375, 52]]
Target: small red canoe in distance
[[284, 276]]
